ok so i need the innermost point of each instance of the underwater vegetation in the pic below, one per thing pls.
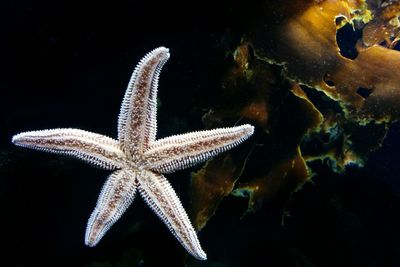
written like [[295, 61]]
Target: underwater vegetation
[[313, 96]]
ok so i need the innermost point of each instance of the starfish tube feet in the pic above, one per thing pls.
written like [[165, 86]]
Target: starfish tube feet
[[96, 149], [137, 122], [181, 151], [161, 197], [116, 196]]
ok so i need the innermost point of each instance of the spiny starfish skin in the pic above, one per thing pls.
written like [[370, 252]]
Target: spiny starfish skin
[[137, 158]]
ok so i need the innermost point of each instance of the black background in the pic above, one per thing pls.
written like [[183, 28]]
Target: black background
[[66, 64]]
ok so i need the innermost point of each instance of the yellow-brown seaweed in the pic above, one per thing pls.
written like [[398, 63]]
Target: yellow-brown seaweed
[[280, 166], [303, 40], [341, 100]]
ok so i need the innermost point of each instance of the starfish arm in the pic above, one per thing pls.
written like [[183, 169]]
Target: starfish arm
[[137, 123], [96, 149], [182, 151], [161, 197], [116, 196]]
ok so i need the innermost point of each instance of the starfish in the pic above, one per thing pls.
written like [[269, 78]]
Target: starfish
[[137, 159]]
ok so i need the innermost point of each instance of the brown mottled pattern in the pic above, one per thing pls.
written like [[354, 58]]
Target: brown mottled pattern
[[70, 144], [169, 155], [137, 131], [157, 191], [150, 129], [87, 146], [192, 148], [111, 204], [137, 120]]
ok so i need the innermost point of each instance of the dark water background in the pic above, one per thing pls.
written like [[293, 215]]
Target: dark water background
[[66, 64]]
